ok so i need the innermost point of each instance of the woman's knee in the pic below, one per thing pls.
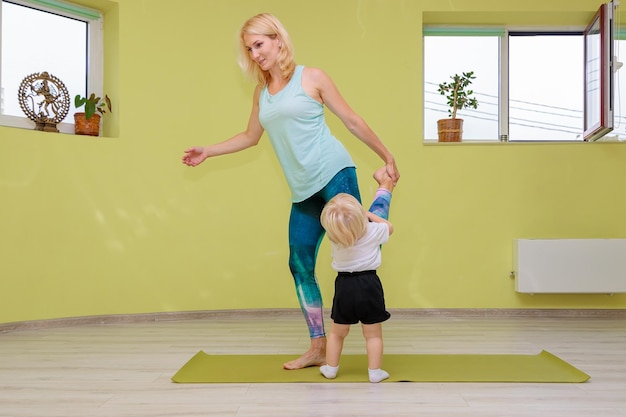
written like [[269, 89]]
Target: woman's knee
[[302, 260]]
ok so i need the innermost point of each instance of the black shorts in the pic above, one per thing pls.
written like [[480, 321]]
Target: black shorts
[[359, 297]]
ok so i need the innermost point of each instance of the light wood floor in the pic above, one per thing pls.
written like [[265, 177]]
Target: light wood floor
[[124, 369]]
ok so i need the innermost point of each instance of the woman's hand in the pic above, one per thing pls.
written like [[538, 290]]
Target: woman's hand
[[194, 156], [393, 172]]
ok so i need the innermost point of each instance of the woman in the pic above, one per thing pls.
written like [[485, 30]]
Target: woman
[[288, 103]]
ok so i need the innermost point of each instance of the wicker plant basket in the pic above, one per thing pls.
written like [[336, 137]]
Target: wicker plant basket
[[90, 127], [450, 130]]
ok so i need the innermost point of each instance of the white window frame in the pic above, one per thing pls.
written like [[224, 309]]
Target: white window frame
[[95, 51], [605, 125], [503, 35]]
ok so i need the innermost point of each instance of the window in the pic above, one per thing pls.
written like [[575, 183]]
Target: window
[[482, 123], [619, 85], [599, 71], [60, 38], [530, 84], [545, 86]]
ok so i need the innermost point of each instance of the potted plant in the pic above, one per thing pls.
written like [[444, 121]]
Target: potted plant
[[88, 122], [459, 98]]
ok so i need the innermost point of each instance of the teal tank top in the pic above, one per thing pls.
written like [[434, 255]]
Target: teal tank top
[[310, 156]]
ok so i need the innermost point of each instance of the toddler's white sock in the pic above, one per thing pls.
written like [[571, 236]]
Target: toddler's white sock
[[328, 371], [377, 375]]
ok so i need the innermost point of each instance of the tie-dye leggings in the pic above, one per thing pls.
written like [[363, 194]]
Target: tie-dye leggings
[[305, 236]]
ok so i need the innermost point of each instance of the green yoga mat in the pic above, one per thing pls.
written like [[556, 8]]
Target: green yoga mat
[[542, 367]]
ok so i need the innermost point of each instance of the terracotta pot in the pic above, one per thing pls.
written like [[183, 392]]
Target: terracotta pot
[[450, 130], [89, 127]]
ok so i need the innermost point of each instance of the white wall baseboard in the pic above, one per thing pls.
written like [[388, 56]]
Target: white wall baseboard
[[265, 314]]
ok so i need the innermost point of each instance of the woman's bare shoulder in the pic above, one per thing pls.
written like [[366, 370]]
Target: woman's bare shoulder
[[314, 74]]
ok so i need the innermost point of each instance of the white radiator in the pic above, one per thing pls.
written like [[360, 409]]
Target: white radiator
[[570, 265]]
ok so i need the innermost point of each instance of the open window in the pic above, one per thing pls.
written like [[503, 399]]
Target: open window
[[599, 62], [540, 80]]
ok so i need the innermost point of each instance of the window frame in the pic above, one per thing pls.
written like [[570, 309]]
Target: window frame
[[95, 51], [504, 33], [511, 32], [603, 20]]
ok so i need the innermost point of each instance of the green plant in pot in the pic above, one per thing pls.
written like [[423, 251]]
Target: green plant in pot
[[88, 122], [459, 97]]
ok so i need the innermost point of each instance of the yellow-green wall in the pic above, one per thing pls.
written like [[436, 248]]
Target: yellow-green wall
[[118, 225]]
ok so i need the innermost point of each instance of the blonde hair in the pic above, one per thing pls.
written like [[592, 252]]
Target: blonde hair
[[267, 25], [344, 219]]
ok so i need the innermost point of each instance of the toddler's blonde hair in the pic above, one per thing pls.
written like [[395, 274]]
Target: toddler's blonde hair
[[344, 219]]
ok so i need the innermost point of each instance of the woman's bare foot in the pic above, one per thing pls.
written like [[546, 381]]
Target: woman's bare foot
[[315, 356], [384, 179]]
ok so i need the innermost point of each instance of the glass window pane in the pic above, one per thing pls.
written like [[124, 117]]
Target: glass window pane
[[619, 101], [445, 56], [546, 88], [34, 41]]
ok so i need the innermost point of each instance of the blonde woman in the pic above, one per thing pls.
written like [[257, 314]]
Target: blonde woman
[[288, 103], [356, 237]]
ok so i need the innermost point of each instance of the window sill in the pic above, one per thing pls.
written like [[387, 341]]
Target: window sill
[[431, 142], [65, 129]]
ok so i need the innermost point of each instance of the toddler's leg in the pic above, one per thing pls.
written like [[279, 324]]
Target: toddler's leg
[[334, 346], [373, 334]]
